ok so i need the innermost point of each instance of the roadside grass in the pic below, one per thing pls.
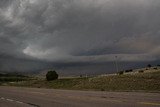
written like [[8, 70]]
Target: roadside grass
[[67, 83], [12, 77], [149, 81]]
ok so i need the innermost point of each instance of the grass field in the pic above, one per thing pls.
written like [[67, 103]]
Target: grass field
[[12, 77], [147, 81]]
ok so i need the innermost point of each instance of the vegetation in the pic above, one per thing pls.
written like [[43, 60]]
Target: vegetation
[[12, 77], [140, 71], [120, 72], [149, 65], [7, 78], [129, 70], [51, 75], [155, 68], [146, 80]]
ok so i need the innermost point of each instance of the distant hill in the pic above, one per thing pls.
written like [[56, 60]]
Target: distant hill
[[144, 79]]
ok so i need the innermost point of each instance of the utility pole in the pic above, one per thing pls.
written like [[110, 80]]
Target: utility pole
[[116, 63]]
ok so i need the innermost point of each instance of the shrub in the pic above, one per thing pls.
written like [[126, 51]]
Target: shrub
[[120, 72], [155, 68], [102, 89], [140, 71], [149, 65], [129, 70], [51, 75], [126, 70]]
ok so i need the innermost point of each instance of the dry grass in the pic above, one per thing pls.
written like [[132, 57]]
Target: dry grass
[[148, 81]]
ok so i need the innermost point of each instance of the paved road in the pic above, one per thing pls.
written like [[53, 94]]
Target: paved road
[[34, 97]]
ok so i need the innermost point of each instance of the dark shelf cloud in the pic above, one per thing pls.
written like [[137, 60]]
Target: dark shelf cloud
[[63, 33]]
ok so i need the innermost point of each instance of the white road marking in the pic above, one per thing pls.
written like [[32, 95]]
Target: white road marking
[[2, 98], [19, 102], [16, 101], [9, 100], [37, 93]]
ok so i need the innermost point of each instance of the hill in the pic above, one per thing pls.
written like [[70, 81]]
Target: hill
[[139, 79]]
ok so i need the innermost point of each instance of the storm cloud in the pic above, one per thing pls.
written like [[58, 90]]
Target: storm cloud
[[81, 32]]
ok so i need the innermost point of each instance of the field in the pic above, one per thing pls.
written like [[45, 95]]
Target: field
[[6, 78], [141, 81]]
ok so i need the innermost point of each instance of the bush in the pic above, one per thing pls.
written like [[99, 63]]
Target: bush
[[140, 71], [155, 68], [120, 72], [51, 75], [102, 89], [129, 70], [149, 65]]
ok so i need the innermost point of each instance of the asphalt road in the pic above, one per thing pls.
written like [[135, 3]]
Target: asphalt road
[[36, 97]]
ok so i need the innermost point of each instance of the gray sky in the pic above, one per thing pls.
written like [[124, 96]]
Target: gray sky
[[35, 34]]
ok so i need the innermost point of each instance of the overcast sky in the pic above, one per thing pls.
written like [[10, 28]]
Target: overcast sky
[[35, 34]]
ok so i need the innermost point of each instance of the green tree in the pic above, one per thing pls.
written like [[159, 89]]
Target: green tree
[[51, 75]]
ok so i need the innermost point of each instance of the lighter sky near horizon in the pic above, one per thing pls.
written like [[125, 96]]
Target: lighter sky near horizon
[[78, 32]]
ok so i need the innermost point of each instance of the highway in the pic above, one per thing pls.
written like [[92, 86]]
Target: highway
[[38, 97]]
